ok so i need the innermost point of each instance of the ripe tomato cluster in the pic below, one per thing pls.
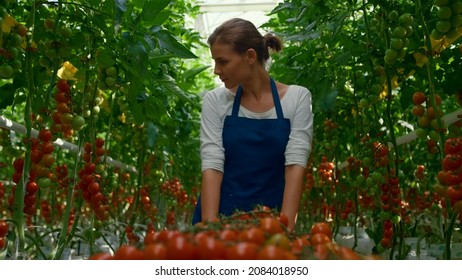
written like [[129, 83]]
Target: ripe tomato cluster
[[174, 189], [326, 171], [3, 232], [149, 208], [2, 193], [309, 176], [392, 207], [89, 179], [250, 235], [428, 116], [451, 173], [41, 157], [64, 119], [349, 208]]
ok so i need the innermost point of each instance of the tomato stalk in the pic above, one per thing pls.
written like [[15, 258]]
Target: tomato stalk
[[20, 190], [62, 242], [36, 244], [429, 66], [448, 235], [431, 86], [141, 164]]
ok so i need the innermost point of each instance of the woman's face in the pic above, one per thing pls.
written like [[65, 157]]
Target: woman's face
[[231, 67]]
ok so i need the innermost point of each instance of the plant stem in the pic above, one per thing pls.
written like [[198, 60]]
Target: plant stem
[[448, 235], [62, 241], [20, 190], [429, 66]]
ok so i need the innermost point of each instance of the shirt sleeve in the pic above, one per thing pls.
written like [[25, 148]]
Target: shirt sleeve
[[211, 149], [298, 148]]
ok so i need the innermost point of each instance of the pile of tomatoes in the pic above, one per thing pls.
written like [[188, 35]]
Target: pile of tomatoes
[[255, 235]]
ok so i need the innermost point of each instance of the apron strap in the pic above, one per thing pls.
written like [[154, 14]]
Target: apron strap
[[274, 91], [277, 102]]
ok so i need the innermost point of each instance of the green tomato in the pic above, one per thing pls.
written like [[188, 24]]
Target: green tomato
[[16, 64], [100, 168], [434, 135], [390, 56], [110, 81], [360, 180], [78, 122], [456, 21], [67, 118], [111, 71], [436, 35], [370, 182], [393, 15], [405, 19], [376, 88], [399, 32], [363, 103], [441, 3], [367, 161], [456, 7], [421, 133], [444, 12], [6, 71], [443, 26], [395, 218], [66, 32], [409, 31], [44, 183], [16, 40], [377, 177], [397, 43]]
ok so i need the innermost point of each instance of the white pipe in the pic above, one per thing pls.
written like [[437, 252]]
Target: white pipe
[[19, 128]]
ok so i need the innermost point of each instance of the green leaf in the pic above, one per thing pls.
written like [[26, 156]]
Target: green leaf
[[104, 59], [194, 72], [7, 91], [169, 84], [152, 131], [6, 96], [120, 9], [159, 20], [281, 7], [156, 56], [171, 44], [138, 56], [327, 102], [152, 8]]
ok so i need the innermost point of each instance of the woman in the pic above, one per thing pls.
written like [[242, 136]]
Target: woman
[[254, 142]]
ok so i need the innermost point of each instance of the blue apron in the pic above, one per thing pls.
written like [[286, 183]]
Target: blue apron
[[254, 165]]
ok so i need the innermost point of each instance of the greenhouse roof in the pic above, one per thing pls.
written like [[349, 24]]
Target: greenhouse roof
[[215, 12]]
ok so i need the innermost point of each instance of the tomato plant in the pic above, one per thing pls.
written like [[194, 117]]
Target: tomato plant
[[105, 141]]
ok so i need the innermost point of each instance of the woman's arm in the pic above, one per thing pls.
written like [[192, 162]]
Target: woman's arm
[[292, 193], [210, 194], [297, 151]]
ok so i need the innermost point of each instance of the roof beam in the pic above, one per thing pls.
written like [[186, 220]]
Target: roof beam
[[238, 7]]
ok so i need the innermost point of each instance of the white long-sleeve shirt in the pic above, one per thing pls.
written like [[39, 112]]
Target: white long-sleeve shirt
[[218, 103]]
